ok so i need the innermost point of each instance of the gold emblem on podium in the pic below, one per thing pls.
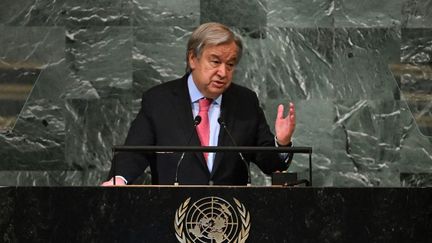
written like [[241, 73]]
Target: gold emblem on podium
[[212, 219]]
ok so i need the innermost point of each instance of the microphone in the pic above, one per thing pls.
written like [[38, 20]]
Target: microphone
[[197, 121], [222, 123]]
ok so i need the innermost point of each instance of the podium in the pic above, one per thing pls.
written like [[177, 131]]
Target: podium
[[215, 214]]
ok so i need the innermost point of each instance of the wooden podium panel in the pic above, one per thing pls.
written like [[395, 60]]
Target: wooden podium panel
[[215, 214]]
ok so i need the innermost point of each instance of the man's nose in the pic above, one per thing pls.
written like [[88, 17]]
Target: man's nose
[[222, 70]]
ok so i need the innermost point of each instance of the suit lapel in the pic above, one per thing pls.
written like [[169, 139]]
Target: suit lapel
[[183, 109], [228, 109]]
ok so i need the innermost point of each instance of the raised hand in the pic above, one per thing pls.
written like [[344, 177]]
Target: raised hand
[[284, 126]]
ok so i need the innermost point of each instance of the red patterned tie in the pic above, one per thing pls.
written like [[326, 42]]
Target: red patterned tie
[[203, 128]]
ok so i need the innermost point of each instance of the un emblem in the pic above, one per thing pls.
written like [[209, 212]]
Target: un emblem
[[212, 219]]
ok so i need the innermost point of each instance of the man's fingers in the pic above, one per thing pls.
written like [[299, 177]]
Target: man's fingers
[[280, 111], [292, 112], [119, 182], [107, 183]]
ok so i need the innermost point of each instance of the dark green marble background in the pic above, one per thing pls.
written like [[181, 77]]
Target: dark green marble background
[[359, 72]]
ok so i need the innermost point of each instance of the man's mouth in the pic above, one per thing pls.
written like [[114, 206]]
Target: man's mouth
[[218, 84]]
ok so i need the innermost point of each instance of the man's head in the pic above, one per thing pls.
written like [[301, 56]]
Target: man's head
[[213, 51]]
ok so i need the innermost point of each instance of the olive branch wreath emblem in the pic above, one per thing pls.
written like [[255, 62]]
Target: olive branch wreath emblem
[[181, 213]]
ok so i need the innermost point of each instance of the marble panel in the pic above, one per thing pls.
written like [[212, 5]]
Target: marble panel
[[33, 47], [300, 13], [416, 92], [290, 63], [367, 13], [67, 177], [93, 127], [347, 178], [367, 134], [416, 149], [98, 13], [159, 55], [417, 14], [361, 63], [258, 178], [33, 13], [416, 179], [15, 87], [99, 59], [247, 15], [183, 13], [416, 46], [37, 139], [64, 12], [416, 75]]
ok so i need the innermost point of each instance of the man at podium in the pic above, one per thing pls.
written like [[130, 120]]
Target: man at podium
[[204, 108]]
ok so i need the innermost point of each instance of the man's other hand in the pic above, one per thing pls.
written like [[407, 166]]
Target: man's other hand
[[119, 182], [284, 126]]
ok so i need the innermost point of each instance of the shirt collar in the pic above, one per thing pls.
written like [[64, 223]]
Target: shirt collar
[[195, 94]]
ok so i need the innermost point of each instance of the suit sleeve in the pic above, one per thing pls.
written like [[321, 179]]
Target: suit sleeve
[[267, 162], [130, 165]]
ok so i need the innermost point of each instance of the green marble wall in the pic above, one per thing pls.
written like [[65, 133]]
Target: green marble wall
[[360, 73]]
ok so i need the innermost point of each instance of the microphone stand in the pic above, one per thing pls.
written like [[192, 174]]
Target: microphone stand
[[197, 121], [222, 123]]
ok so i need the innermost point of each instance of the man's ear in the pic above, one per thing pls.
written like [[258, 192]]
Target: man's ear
[[192, 60]]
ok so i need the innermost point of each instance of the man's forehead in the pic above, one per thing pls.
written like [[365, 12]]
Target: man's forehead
[[228, 50]]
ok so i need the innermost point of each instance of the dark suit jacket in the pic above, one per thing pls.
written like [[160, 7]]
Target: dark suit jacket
[[166, 119]]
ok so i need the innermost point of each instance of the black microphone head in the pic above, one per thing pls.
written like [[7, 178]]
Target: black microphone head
[[197, 120]]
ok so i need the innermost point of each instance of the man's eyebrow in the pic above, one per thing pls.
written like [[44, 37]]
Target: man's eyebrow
[[233, 59]]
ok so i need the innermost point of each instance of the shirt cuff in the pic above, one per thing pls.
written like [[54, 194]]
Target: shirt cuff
[[278, 145], [286, 157], [121, 177]]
